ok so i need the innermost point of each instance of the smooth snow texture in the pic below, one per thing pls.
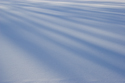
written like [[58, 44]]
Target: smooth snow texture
[[62, 41]]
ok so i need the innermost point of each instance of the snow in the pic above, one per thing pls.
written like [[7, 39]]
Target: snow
[[62, 41]]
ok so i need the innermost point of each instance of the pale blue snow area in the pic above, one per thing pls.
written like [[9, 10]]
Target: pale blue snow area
[[62, 41]]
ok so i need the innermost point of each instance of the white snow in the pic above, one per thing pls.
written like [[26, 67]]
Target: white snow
[[62, 41]]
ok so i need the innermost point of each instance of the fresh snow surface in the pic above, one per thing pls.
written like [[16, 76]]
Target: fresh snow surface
[[62, 41]]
